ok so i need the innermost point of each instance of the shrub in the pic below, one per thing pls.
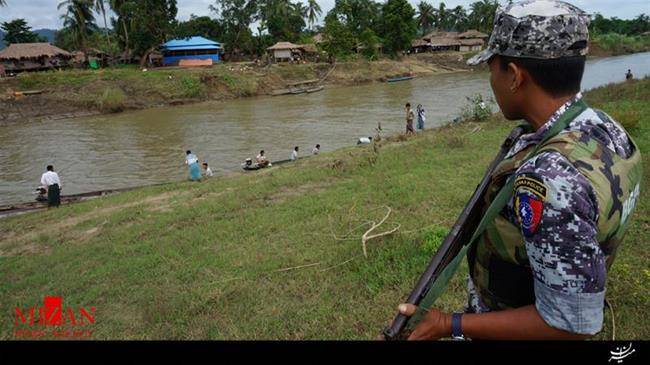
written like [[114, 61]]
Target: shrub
[[192, 87], [112, 100], [476, 109]]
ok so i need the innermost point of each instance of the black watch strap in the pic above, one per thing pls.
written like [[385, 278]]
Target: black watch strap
[[456, 327]]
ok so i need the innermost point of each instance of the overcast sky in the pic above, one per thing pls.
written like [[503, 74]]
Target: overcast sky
[[43, 13]]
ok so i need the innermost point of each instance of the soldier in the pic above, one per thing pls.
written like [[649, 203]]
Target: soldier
[[538, 271]]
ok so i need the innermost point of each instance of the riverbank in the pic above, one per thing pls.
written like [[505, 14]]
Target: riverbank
[[70, 93], [613, 44], [276, 254]]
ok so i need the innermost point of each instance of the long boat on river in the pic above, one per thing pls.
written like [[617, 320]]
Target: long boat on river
[[18, 208], [397, 79]]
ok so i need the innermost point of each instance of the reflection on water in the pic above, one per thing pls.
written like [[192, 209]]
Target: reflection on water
[[146, 147]]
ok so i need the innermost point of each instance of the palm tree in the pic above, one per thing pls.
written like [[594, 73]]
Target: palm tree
[[313, 12], [79, 18], [426, 17], [100, 7], [482, 15], [117, 6], [459, 18], [442, 17], [3, 3]]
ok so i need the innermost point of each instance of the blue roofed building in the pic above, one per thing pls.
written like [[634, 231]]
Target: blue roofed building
[[193, 48]]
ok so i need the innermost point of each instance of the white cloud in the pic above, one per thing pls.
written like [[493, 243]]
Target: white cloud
[[43, 13]]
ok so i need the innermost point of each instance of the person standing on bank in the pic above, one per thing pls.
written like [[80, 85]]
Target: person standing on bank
[[52, 184], [628, 75], [193, 163], [409, 119], [569, 189], [421, 117]]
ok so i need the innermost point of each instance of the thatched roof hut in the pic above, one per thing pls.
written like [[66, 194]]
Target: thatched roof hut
[[281, 46], [33, 57], [24, 51], [472, 33], [286, 51]]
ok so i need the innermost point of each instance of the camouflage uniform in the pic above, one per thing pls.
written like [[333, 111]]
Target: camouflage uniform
[[553, 243]]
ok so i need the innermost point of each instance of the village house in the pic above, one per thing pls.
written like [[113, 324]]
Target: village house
[[19, 57], [287, 51], [191, 51], [469, 41], [472, 41]]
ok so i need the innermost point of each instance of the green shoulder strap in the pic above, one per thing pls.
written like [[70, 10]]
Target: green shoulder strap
[[491, 213]]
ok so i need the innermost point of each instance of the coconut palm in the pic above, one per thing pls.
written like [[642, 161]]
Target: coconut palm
[[482, 14], [117, 6], [100, 7], [442, 17], [79, 18], [313, 12], [426, 17], [3, 3], [459, 18]]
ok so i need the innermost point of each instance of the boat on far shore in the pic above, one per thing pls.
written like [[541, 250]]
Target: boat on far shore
[[403, 78]]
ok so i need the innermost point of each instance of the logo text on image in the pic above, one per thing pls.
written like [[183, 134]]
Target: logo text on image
[[53, 320]]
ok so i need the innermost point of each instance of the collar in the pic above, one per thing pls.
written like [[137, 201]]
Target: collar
[[536, 136]]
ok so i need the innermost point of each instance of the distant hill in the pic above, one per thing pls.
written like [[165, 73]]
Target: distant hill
[[47, 33]]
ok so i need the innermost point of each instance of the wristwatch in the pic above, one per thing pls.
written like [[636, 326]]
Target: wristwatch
[[456, 328]]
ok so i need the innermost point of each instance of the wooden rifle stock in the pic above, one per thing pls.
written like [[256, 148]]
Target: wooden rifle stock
[[460, 234]]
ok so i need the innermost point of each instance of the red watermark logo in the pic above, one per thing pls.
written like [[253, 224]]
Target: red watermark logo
[[53, 320]]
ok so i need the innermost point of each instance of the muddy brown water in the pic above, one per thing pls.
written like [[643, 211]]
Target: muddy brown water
[[148, 146]]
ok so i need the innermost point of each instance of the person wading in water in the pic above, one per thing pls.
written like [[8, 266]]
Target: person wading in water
[[52, 184]]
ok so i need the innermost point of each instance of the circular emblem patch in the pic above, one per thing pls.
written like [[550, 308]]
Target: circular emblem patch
[[529, 208]]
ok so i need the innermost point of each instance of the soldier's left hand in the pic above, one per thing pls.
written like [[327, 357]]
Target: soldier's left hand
[[435, 324]]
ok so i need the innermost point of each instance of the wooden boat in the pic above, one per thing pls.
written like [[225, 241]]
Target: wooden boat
[[18, 208], [396, 79], [315, 89], [255, 167], [300, 87], [280, 92]]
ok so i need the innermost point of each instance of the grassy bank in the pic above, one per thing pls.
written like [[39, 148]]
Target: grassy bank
[[116, 89], [277, 254], [613, 44]]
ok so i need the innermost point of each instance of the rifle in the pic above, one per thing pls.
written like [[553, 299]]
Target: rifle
[[460, 234]]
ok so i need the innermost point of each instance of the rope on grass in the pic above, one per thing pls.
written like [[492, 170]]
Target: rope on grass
[[339, 264], [296, 267], [367, 237]]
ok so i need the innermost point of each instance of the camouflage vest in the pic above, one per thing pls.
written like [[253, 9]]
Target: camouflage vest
[[498, 262]]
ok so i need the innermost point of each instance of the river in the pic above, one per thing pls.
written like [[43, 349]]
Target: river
[[148, 146]]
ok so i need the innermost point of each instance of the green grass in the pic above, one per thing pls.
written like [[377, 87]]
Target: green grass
[[205, 260], [619, 44]]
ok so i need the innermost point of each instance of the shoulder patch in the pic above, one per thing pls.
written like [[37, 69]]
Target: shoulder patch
[[532, 185], [528, 208]]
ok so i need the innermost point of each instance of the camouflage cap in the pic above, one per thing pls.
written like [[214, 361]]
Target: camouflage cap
[[541, 29]]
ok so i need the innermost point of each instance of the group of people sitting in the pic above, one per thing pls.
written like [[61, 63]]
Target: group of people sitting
[[261, 161]]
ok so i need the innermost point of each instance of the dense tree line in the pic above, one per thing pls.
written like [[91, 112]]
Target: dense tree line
[[636, 26], [135, 27]]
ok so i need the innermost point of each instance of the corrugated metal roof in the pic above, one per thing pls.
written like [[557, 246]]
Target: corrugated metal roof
[[191, 43]]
